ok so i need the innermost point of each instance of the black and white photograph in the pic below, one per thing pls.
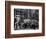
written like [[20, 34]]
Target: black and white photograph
[[26, 19]]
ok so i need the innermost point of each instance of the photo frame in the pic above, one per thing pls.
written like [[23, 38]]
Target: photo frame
[[24, 19]]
